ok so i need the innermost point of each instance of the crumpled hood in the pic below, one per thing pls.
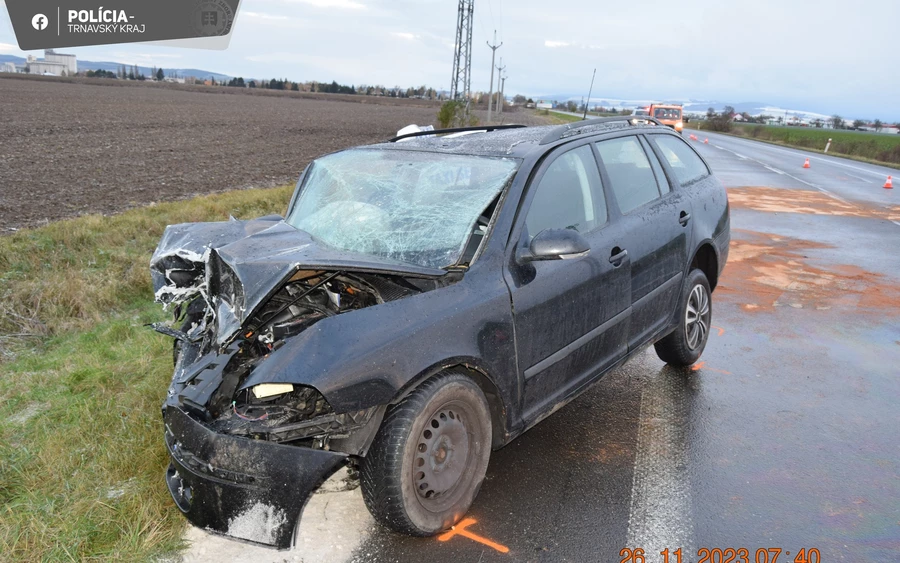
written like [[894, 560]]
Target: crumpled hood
[[260, 255]]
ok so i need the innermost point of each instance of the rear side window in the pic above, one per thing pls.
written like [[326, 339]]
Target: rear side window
[[633, 181], [684, 161], [569, 195]]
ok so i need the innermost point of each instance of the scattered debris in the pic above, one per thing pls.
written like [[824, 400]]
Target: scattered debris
[[260, 523]]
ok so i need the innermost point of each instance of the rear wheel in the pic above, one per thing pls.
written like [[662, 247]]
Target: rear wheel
[[684, 346], [429, 458]]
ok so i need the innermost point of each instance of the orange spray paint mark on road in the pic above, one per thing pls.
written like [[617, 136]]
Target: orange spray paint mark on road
[[805, 202], [720, 329], [461, 530], [702, 365]]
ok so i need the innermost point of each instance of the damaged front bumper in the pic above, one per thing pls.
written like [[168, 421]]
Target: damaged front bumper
[[248, 489]]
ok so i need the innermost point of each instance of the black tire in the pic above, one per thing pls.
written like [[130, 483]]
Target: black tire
[[442, 428], [685, 344]]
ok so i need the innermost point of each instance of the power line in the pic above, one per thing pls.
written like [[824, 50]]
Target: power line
[[493, 21], [494, 48]]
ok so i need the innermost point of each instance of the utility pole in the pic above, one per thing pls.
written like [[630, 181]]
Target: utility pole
[[500, 70], [502, 95], [589, 95], [461, 81], [494, 48]]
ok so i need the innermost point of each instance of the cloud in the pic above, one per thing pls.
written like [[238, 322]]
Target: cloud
[[263, 16], [407, 36], [555, 44], [337, 4], [8, 48]]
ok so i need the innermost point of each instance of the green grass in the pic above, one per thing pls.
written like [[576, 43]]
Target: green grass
[[875, 147], [559, 118], [81, 452]]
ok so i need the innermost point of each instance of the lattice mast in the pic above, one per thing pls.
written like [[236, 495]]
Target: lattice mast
[[461, 80]]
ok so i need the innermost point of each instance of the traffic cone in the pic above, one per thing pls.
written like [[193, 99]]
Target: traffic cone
[[889, 185], [806, 164], [706, 141]]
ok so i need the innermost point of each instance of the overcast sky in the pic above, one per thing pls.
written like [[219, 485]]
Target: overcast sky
[[817, 55]]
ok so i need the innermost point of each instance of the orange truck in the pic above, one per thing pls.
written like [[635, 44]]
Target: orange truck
[[670, 115]]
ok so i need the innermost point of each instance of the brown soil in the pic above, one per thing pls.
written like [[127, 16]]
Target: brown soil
[[71, 147], [766, 271], [775, 200]]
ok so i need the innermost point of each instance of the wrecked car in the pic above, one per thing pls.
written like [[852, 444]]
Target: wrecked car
[[423, 302]]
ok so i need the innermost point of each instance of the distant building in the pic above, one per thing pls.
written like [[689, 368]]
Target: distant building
[[53, 63], [8, 67], [70, 61]]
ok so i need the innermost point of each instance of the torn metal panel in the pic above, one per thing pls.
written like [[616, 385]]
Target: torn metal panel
[[237, 265]]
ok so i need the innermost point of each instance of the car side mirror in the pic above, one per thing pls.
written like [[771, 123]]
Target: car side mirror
[[556, 244]]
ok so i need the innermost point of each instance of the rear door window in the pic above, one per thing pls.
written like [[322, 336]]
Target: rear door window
[[661, 179], [633, 181], [684, 162]]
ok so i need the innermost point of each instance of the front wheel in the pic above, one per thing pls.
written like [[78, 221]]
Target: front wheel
[[429, 457], [685, 344]]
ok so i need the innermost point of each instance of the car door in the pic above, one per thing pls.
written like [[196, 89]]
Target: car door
[[655, 222], [570, 316]]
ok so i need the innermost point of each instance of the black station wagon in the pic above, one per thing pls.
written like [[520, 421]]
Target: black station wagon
[[424, 301]]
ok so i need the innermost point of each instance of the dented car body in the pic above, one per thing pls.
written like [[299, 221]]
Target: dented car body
[[296, 336]]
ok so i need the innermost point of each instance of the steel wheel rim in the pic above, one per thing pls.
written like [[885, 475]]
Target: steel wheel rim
[[696, 317], [442, 454]]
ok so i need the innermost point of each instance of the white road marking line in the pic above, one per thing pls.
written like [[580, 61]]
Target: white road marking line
[[660, 514], [718, 147], [742, 157], [896, 223], [775, 170], [835, 196], [861, 179]]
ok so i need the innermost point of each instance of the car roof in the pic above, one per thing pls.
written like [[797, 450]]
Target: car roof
[[518, 141]]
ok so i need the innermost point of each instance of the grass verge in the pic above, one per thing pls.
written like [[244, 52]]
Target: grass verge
[[875, 148], [81, 452], [559, 118]]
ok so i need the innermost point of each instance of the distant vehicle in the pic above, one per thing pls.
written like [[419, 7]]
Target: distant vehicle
[[641, 111], [670, 115]]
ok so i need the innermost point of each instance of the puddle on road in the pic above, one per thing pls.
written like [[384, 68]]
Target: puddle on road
[[776, 200], [766, 271]]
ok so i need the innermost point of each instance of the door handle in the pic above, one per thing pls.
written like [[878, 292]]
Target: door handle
[[616, 258], [684, 218]]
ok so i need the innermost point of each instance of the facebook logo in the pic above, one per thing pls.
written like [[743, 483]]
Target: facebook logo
[[40, 22]]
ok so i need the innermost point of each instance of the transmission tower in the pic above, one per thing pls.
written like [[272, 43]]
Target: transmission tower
[[461, 80]]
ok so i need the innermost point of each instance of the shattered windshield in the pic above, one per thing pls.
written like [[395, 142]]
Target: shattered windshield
[[415, 207]]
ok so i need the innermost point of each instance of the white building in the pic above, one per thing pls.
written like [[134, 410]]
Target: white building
[[53, 63], [70, 61], [8, 67]]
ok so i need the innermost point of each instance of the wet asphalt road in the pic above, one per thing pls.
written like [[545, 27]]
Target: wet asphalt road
[[784, 436]]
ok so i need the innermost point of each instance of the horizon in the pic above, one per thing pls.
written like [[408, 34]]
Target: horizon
[[710, 52]]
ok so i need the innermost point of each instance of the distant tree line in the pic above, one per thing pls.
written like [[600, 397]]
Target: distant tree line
[[334, 87], [100, 74]]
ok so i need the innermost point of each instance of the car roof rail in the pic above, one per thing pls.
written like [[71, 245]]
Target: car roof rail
[[485, 128], [569, 129]]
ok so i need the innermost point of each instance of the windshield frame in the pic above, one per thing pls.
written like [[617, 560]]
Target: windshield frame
[[495, 204]]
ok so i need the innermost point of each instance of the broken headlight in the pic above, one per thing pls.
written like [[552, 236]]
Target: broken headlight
[[279, 404]]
